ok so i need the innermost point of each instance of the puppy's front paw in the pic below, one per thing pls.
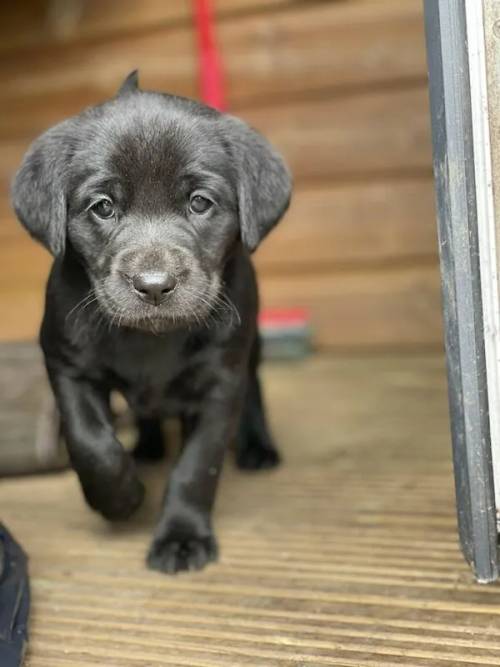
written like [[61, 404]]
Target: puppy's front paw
[[123, 501], [176, 553], [115, 495]]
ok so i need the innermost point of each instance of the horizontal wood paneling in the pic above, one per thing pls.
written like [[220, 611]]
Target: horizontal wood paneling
[[346, 556], [40, 23], [359, 223], [266, 57], [331, 46], [32, 270], [386, 308], [339, 87], [22, 309], [347, 137], [371, 308], [326, 226], [351, 136], [349, 227]]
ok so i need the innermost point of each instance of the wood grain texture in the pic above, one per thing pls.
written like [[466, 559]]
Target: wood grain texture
[[397, 307], [28, 440], [345, 556], [338, 87], [364, 308], [267, 56], [361, 258], [326, 226], [343, 225], [368, 135], [351, 136], [350, 306], [40, 22]]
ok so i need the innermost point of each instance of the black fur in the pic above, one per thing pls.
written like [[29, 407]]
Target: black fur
[[190, 350]]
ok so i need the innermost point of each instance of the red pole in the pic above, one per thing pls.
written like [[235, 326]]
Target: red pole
[[210, 69]]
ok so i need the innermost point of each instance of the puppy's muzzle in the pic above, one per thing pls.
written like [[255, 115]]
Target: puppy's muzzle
[[153, 287]]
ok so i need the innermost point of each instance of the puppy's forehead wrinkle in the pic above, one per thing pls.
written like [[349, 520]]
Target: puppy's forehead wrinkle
[[149, 143], [90, 183]]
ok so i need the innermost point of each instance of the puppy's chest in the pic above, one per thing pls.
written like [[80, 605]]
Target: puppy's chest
[[162, 378]]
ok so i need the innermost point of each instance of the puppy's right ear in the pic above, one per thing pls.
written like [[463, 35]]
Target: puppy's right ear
[[39, 188]]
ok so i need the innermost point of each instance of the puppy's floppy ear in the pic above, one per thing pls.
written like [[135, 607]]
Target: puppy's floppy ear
[[264, 182], [130, 85], [39, 188]]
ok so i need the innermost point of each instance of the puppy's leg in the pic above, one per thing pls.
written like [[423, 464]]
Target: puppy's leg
[[107, 473], [184, 539], [150, 445], [255, 449]]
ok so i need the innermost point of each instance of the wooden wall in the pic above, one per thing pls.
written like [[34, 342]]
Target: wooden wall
[[338, 86]]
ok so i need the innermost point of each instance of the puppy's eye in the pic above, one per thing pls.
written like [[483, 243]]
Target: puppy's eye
[[103, 209], [199, 204]]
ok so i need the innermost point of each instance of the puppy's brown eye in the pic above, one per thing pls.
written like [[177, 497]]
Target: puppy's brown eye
[[104, 209], [199, 204]]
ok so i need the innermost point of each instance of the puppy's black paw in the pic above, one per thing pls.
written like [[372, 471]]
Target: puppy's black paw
[[172, 554], [116, 495], [257, 458], [120, 505]]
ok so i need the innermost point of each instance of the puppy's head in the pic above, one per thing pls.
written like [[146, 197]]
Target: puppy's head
[[152, 192]]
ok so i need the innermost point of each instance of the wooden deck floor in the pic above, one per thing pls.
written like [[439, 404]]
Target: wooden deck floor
[[345, 556]]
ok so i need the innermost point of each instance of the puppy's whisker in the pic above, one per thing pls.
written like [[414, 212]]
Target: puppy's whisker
[[219, 304], [83, 303], [207, 316], [220, 300]]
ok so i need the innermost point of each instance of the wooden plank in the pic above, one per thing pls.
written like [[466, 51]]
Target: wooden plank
[[349, 137], [23, 261], [22, 309], [24, 267], [373, 308], [355, 223], [329, 226], [398, 307], [345, 226], [333, 45], [352, 136], [266, 57], [344, 556], [37, 23]]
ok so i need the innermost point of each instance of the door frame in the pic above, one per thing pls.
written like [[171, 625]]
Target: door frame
[[462, 173]]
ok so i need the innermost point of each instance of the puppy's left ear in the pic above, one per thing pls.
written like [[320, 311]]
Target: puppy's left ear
[[264, 181], [130, 85], [40, 186]]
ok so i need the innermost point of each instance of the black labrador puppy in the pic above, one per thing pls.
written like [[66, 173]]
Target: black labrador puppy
[[151, 205]]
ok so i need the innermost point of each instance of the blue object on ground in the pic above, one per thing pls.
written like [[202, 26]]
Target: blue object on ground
[[14, 600]]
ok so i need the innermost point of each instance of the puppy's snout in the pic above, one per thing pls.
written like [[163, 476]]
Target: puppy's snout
[[153, 287]]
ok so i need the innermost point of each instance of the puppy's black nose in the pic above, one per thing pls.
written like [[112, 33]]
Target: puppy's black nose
[[153, 287]]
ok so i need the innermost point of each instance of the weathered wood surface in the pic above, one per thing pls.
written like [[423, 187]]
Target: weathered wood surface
[[353, 224], [339, 87], [346, 556], [370, 308], [27, 442], [267, 54]]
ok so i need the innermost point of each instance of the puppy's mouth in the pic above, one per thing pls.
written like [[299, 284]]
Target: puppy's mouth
[[157, 304]]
